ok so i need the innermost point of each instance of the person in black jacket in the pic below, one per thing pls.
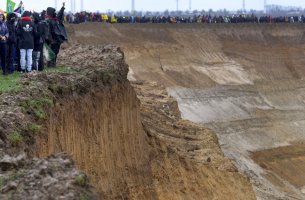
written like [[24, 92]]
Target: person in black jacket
[[11, 42], [26, 30], [45, 27], [39, 39], [3, 39], [57, 31]]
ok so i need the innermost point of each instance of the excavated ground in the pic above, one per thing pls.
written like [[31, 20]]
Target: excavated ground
[[245, 82], [25, 109], [243, 86], [130, 140], [139, 151]]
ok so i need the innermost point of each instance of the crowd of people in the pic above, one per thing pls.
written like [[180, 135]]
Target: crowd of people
[[23, 40], [82, 17]]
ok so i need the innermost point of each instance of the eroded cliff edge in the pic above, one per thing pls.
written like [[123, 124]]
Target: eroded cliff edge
[[129, 139]]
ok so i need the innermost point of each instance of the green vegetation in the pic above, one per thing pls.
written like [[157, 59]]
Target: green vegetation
[[84, 196], [2, 181], [80, 180], [38, 106], [10, 82], [106, 76], [5, 179], [14, 176], [35, 128], [15, 137]]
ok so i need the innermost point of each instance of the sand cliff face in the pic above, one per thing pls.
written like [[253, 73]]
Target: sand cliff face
[[102, 132], [151, 154], [243, 85], [132, 142], [244, 81]]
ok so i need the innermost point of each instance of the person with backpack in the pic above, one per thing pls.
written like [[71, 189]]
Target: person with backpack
[[57, 32], [26, 30], [4, 34], [11, 42], [39, 39]]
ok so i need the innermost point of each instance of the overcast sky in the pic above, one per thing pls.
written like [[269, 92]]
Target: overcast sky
[[156, 5]]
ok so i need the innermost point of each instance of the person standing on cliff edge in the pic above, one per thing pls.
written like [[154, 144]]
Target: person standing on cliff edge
[[26, 30], [4, 34], [57, 31]]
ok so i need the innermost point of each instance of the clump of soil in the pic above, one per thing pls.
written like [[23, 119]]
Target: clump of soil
[[51, 178]]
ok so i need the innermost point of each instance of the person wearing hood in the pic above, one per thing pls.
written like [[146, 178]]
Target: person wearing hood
[[11, 42], [26, 30], [57, 31], [46, 29], [39, 39], [4, 34]]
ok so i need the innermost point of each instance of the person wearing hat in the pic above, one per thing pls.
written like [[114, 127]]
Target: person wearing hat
[[3, 38]]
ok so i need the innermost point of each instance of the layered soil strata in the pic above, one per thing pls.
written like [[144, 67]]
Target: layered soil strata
[[244, 81], [139, 146]]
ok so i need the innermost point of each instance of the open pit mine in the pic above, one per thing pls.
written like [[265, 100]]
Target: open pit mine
[[161, 111]]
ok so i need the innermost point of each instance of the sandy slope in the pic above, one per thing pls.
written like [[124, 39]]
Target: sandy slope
[[245, 81], [135, 149]]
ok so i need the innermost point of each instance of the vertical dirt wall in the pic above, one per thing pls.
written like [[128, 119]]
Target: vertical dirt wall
[[128, 155], [102, 131]]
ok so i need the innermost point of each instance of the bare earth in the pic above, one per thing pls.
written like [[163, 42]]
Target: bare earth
[[139, 147], [245, 82]]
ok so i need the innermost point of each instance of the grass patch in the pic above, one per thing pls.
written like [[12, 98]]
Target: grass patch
[[35, 128], [15, 137], [81, 180], [106, 76], [38, 106], [10, 82], [84, 196], [5, 179]]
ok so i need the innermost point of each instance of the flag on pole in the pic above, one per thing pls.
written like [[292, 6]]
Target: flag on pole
[[10, 5], [48, 53], [20, 8]]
